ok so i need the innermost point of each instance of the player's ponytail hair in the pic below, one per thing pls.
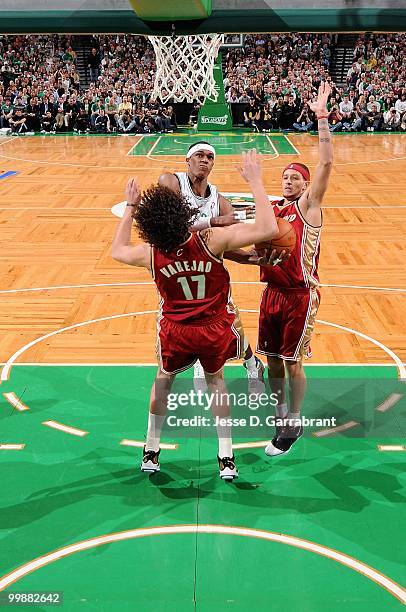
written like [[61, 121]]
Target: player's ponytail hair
[[163, 218]]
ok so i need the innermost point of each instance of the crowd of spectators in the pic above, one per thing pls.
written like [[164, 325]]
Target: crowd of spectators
[[273, 77], [40, 88], [276, 75]]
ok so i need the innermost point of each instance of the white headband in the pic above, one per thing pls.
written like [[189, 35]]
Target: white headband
[[200, 146]]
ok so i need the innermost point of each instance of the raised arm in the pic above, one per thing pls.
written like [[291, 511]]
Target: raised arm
[[264, 227], [122, 250], [311, 200]]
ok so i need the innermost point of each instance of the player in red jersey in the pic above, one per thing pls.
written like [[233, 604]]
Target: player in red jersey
[[196, 319], [214, 210], [290, 301]]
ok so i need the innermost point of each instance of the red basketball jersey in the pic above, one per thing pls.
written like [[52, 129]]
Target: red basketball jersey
[[300, 270], [193, 284]]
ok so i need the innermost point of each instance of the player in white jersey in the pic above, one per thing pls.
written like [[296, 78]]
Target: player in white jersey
[[207, 205], [214, 211]]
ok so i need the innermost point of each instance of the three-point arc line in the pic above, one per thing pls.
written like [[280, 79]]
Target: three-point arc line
[[369, 572]]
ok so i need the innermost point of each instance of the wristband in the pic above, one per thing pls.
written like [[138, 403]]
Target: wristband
[[241, 215], [322, 117]]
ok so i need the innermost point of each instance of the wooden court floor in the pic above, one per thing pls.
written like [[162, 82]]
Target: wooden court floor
[[76, 482], [57, 227]]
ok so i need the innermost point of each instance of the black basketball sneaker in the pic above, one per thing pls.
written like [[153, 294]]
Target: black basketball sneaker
[[227, 467], [284, 439], [150, 461]]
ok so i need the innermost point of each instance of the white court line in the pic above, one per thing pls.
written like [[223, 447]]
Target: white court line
[[73, 431], [399, 363], [250, 445], [77, 286], [225, 168], [391, 447], [52, 210], [70, 165], [139, 444], [149, 154], [356, 207], [6, 141], [151, 364], [351, 562], [128, 154], [390, 401], [76, 208], [292, 145], [332, 430], [273, 146], [6, 369], [164, 159], [364, 287], [15, 401], [12, 446], [142, 283], [220, 145], [370, 161]]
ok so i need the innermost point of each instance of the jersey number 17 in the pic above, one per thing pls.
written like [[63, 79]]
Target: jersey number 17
[[201, 286]]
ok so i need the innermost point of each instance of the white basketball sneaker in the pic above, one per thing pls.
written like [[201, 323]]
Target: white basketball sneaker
[[150, 461], [283, 441], [227, 467]]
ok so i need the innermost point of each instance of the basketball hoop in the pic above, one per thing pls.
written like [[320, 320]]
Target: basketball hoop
[[184, 67]]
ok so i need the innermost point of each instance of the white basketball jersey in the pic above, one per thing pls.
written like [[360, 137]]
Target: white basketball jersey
[[208, 207]]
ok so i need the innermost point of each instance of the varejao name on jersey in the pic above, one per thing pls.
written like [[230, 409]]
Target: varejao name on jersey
[[185, 266]]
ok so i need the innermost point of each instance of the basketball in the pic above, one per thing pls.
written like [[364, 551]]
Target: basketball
[[284, 241]]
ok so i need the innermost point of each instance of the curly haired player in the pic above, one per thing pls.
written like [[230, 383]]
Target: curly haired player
[[213, 210], [196, 319]]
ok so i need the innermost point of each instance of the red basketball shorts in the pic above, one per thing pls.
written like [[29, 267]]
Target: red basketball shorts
[[179, 346], [286, 322]]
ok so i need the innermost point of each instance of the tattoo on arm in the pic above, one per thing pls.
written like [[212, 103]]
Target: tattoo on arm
[[325, 140], [205, 235]]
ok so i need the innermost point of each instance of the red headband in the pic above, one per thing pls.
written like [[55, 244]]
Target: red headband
[[303, 171]]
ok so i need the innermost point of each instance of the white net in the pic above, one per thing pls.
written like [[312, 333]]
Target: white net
[[184, 67]]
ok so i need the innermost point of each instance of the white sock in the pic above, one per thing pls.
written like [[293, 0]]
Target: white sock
[[281, 410], [198, 371], [251, 363], [225, 447], [155, 422], [225, 443], [293, 418]]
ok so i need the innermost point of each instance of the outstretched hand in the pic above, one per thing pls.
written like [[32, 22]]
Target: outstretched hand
[[133, 192], [266, 257], [251, 166], [320, 105]]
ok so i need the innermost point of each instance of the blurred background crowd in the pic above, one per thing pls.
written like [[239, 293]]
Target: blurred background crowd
[[52, 83]]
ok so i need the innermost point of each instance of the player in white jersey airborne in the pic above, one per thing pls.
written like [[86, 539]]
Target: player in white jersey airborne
[[214, 211]]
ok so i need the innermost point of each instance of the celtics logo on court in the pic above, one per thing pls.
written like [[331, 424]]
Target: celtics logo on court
[[239, 200]]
